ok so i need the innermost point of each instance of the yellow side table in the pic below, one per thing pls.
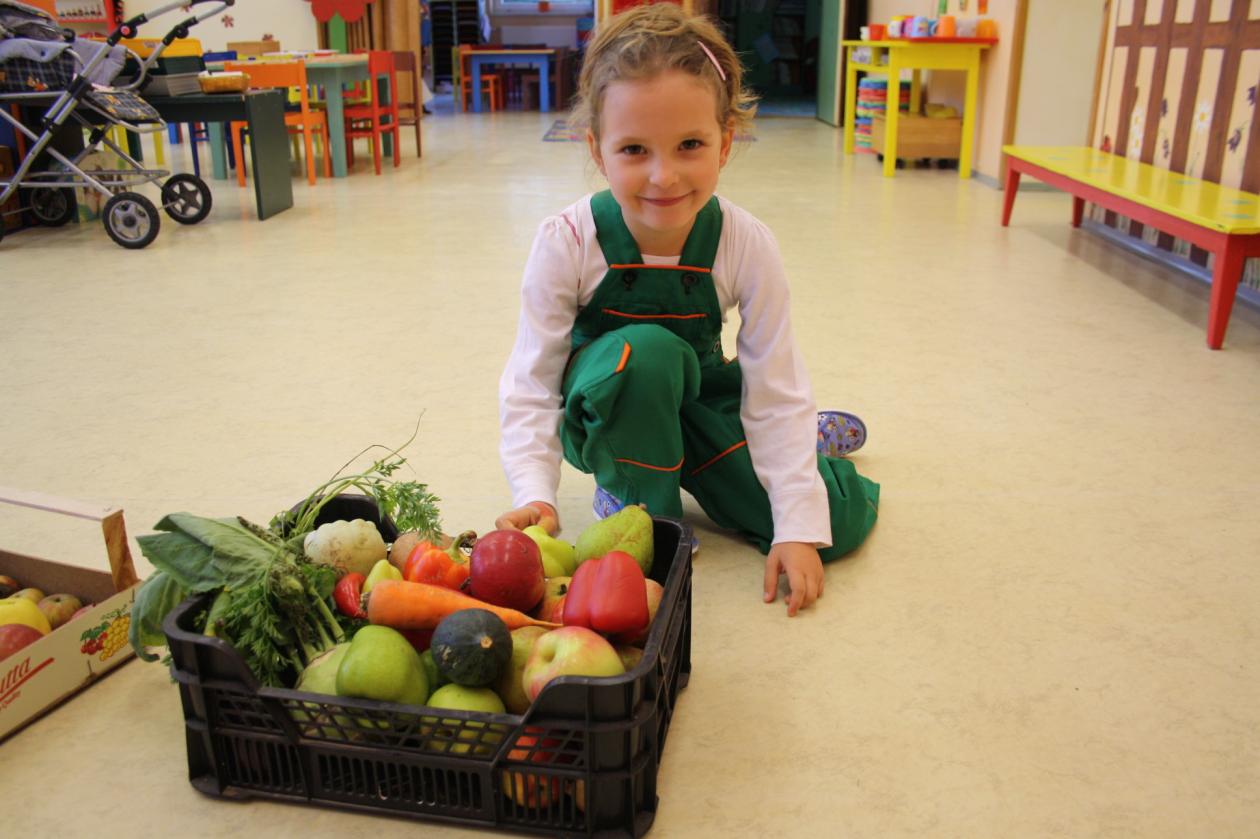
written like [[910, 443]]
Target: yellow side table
[[916, 56]]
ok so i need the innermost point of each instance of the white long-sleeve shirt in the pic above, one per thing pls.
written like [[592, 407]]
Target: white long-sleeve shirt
[[777, 407]]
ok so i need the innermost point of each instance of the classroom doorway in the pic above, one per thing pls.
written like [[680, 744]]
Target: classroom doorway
[[791, 52]]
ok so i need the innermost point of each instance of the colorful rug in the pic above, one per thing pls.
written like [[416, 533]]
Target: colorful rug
[[562, 132]]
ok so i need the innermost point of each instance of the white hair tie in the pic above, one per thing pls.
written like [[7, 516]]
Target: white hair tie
[[712, 58]]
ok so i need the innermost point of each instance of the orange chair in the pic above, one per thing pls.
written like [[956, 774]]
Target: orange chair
[[306, 121], [405, 63], [491, 83], [370, 120]]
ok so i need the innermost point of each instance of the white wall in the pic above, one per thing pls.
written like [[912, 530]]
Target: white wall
[[288, 21], [1057, 79]]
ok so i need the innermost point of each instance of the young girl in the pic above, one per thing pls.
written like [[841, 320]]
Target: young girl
[[618, 360]]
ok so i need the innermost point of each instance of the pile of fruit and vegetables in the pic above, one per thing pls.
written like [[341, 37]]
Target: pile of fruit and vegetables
[[466, 623]]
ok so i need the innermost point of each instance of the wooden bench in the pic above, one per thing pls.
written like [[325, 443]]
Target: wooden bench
[[1218, 219]]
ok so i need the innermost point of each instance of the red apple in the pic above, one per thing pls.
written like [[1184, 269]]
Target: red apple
[[59, 608], [506, 569], [556, 589], [8, 586], [655, 591], [569, 651], [15, 636], [527, 788]]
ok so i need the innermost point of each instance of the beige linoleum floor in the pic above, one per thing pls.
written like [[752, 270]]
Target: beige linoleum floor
[[1052, 631]]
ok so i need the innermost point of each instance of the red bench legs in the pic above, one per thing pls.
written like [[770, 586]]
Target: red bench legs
[[1231, 252]]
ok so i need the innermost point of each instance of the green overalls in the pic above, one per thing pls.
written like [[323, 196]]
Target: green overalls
[[651, 406]]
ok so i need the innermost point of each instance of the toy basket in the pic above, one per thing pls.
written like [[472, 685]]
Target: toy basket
[[581, 761], [223, 82]]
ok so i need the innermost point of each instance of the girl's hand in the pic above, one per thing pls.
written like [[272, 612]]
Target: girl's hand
[[800, 561], [535, 512]]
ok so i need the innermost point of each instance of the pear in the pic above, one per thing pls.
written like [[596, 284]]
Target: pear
[[381, 664], [629, 530], [320, 676]]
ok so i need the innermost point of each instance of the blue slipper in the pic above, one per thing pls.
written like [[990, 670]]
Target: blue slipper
[[840, 433], [606, 503]]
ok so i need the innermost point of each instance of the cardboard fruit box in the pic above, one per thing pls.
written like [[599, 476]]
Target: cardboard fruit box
[[41, 675]]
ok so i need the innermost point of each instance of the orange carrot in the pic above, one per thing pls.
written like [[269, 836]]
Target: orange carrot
[[405, 605]]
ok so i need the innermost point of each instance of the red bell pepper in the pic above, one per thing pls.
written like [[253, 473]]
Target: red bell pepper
[[437, 567], [608, 595], [348, 595]]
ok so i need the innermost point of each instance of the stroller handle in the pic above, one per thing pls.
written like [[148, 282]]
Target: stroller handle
[[130, 27], [180, 30]]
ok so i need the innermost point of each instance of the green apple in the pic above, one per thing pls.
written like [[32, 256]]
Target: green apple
[[510, 685], [463, 698], [559, 558], [381, 664], [32, 594], [436, 677]]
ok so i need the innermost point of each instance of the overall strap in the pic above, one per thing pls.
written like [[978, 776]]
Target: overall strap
[[615, 239], [618, 244], [702, 243]]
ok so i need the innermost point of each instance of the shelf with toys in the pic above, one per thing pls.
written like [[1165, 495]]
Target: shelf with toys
[[914, 43]]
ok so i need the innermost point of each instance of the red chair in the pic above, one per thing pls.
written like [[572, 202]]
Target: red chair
[[375, 118]]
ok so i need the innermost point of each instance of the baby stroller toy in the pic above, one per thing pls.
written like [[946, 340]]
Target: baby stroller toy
[[39, 63]]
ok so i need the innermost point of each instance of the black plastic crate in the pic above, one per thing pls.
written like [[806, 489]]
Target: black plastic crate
[[581, 761]]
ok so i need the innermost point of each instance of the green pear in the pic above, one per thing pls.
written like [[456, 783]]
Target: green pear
[[510, 685], [320, 676], [462, 698], [381, 664], [629, 530], [558, 557]]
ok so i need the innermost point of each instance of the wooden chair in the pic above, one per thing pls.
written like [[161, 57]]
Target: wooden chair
[[375, 118], [405, 62], [305, 121], [491, 83]]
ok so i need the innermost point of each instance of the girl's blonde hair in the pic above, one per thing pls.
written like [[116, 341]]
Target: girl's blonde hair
[[647, 40]]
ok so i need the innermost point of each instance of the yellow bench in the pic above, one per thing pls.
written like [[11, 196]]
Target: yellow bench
[[1218, 219]]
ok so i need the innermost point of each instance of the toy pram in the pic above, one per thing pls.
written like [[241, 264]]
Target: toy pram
[[41, 63]]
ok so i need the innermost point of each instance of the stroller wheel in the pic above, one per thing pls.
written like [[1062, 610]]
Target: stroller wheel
[[53, 207], [186, 198], [131, 220]]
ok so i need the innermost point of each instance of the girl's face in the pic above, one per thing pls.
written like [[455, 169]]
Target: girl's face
[[661, 150]]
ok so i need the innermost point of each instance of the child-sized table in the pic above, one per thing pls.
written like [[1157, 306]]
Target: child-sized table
[[916, 55]]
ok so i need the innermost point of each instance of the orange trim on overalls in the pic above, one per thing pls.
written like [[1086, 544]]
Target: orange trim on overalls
[[717, 457], [649, 466], [692, 268], [653, 317], [625, 356]]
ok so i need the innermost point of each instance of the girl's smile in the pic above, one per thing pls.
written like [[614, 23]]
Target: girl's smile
[[661, 148]]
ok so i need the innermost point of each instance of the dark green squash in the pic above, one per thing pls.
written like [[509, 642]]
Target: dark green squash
[[471, 647]]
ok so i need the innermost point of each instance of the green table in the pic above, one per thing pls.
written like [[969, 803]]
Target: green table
[[333, 74], [263, 112]]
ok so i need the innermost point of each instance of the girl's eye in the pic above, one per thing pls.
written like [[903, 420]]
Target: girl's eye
[[691, 145], [632, 149]]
